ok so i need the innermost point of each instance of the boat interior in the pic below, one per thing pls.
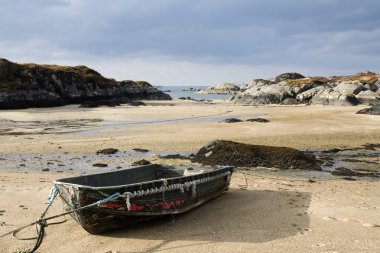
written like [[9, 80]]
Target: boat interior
[[130, 176]]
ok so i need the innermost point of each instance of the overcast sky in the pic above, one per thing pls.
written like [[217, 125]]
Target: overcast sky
[[195, 42]]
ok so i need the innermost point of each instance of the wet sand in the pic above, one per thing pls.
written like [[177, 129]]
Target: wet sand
[[274, 214], [187, 126]]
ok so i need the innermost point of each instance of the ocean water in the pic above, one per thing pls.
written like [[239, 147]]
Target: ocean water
[[177, 92]]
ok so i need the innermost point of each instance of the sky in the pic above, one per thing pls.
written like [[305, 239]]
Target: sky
[[195, 42]]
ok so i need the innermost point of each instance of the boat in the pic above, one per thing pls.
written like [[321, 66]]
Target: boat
[[119, 198]]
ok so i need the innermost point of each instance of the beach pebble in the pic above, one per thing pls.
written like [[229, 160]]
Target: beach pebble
[[141, 150], [261, 120], [141, 162], [232, 120], [107, 151], [100, 165]]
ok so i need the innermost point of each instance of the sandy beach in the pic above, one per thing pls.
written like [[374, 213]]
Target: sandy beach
[[275, 213]]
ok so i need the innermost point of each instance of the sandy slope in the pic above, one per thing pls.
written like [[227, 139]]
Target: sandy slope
[[272, 215]]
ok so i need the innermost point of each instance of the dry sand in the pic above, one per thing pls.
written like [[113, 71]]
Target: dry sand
[[272, 215]]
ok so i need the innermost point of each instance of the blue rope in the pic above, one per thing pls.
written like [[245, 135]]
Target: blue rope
[[110, 198], [53, 194]]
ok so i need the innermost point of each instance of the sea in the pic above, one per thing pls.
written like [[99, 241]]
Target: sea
[[178, 91]]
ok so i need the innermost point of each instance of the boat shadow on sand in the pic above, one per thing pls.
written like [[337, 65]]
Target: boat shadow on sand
[[236, 216]]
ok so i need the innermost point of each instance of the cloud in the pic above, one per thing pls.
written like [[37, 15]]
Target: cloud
[[319, 37]]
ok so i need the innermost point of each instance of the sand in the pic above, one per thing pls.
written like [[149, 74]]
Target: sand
[[274, 214]]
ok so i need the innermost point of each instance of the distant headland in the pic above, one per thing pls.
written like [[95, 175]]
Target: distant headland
[[34, 85]]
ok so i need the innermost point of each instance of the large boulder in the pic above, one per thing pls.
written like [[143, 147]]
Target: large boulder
[[369, 97], [374, 110], [288, 76], [332, 97], [265, 94], [223, 88], [351, 87], [306, 96]]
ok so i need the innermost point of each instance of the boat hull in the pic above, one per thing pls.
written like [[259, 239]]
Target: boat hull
[[122, 211]]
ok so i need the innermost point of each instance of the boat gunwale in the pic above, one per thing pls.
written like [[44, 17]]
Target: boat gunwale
[[80, 186]]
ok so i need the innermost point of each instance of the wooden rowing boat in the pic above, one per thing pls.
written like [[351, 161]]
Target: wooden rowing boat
[[142, 193]]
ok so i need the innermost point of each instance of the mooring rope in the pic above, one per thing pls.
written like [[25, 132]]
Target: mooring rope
[[164, 188], [42, 222]]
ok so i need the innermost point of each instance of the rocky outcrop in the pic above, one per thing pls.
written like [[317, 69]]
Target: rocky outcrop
[[33, 85], [290, 88], [223, 88]]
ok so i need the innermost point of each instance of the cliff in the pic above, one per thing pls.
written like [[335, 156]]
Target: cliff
[[33, 85]]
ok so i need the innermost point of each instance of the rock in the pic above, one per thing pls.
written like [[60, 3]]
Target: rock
[[107, 151], [306, 96], [188, 98], [265, 94], [290, 101], [46, 169], [222, 88], [232, 120], [261, 120], [369, 97], [244, 155], [174, 156], [100, 165], [33, 85], [137, 103], [141, 150], [374, 110], [141, 162], [294, 88], [342, 171], [288, 76], [93, 104], [349, 178], [331, 97], [192, 89], [349, 87], [371, 146], [333, 150]]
